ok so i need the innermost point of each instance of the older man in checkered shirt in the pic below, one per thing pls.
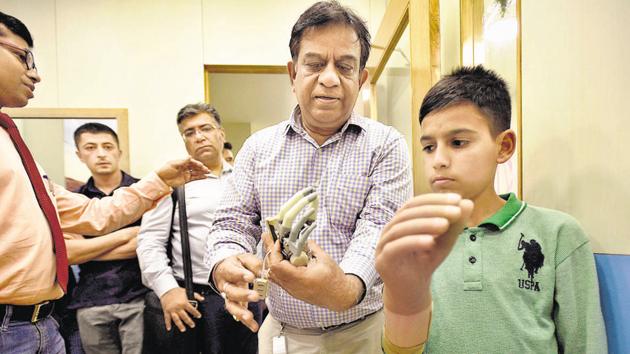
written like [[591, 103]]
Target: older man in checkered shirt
[[361, 170]]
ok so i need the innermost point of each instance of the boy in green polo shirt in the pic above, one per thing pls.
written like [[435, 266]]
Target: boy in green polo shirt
[[519, 278]]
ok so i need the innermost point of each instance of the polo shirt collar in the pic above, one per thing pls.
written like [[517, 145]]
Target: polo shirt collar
[[507, 214]]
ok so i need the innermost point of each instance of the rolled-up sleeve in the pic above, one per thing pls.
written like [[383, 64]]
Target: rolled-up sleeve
[[93, 217], [390, 187]]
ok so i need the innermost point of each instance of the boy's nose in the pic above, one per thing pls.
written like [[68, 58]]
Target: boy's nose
[[441, 159]]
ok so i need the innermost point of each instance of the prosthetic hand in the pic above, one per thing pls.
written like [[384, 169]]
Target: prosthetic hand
[[291, 233]]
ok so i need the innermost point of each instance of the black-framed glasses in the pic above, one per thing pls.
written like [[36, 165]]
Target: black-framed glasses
[[25, 55]]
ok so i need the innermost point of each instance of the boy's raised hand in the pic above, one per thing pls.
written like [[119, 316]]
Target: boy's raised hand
[[414, 243]]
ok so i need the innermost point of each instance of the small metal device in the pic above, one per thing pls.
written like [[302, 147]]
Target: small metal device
[[261, 286]]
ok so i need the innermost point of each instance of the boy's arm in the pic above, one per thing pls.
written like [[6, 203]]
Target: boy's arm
[[412, 246], [81, 250], [577, 311]]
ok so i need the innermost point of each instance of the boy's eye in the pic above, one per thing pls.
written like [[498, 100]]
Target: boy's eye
[[459, 143], [428, 148]]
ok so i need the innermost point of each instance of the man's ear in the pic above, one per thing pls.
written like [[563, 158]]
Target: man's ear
[[363, 77], [292, 73], [78, 155], [506, 145]]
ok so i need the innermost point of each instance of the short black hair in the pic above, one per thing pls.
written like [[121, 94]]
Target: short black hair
[[227, 145], [17, 27], [94, 128], [323, 13], [191, 110], [478, 85]]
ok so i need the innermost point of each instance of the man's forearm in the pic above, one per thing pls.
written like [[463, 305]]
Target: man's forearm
[[124, 251], [345, 295], [81, 251]]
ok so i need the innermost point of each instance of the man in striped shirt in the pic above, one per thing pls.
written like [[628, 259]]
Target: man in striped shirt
[[361, 170]]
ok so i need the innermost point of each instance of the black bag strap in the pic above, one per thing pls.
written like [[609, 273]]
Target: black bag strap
[[178, 197], [183, 231], [169, 245]]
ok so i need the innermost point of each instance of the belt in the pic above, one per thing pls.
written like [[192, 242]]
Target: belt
[[29, 313], [321, 330]]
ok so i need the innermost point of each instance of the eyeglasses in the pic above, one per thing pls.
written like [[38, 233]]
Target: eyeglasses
[[205, 130], [25, 55]]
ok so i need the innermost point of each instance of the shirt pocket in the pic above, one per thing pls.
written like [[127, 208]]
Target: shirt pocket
[[346, 200]]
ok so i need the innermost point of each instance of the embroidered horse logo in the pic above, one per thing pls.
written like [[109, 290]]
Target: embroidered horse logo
[[533, 258]]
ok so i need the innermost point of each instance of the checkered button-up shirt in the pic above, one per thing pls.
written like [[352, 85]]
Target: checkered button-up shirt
[[362, 174]]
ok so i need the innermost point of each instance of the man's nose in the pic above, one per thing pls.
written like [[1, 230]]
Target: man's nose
[[329, 77], [33, 75]]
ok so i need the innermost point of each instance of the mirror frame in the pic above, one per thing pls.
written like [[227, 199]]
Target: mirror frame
[[120, 114]]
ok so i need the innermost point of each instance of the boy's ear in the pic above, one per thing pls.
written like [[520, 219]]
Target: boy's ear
[[506, 145]]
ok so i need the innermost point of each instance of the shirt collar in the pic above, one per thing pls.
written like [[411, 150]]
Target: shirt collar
[[125, 181], [295, 122], [227, 168], [508, 213]]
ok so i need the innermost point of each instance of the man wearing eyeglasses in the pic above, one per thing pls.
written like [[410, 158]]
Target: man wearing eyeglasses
[[213, 329], [36, 212]]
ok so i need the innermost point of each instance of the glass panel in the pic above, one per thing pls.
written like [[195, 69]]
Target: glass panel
[[51, 142], [499, 53], [393, 90]]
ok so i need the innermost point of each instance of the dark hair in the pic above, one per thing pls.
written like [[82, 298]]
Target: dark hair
[[324, 13], [227, 145], [191, 110], [94, 128], [478, 85], [17, 27]]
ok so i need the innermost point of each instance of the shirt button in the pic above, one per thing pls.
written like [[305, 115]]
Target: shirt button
[[473, 238], [472, 260]]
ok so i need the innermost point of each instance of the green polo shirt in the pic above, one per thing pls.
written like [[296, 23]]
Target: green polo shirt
[[523, 281]]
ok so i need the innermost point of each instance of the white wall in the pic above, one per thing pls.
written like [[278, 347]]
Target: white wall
[[258, 32], [148, 55], [144, 55], [575, 123]]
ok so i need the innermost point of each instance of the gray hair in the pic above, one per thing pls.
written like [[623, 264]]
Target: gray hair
[[191, 110]]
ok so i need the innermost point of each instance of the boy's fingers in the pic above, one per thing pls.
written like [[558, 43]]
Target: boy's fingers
[[450, 212], [419, 226], [433, 198], [406, 245]]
